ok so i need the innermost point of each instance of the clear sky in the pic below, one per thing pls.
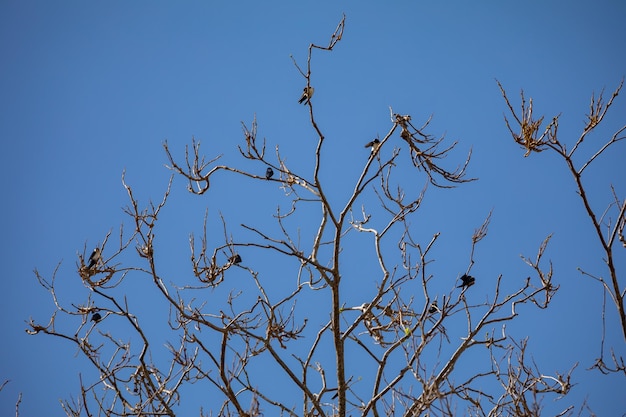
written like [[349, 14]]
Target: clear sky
[[89, 89]]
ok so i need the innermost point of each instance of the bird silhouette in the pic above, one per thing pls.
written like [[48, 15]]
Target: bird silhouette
[[467, 281], [96, 317], [235, 259], [375, 144], [306, 95], [95, 257], [433, 307], [269, 173]]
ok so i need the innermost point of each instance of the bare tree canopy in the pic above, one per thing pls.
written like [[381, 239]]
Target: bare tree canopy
[[295, 268], [393, 354]]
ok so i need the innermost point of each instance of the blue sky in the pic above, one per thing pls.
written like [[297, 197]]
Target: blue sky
[[89, 89]]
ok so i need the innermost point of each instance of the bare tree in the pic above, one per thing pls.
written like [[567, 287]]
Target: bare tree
[[535, 136], [396, 353]]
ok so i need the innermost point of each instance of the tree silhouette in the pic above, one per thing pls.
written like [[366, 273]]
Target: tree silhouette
[[259, 350]]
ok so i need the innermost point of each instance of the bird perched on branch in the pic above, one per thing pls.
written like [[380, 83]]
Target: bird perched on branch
[[433, 307], [235, 259], [96, 317], [375, 144], [95, 257], [269, 173], [467, 281], [306, 95]]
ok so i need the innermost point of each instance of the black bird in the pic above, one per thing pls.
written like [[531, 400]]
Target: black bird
[[235, 259], [95, 257], [433, 307], [375, 144], [467, 281], [96, 317], [306, 95], [269, 173]]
